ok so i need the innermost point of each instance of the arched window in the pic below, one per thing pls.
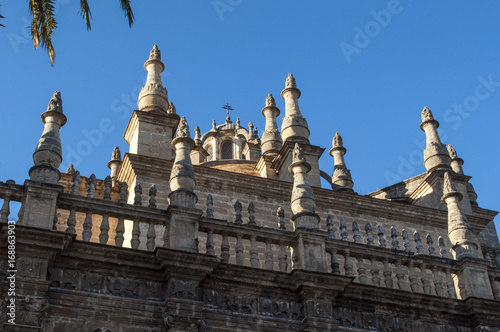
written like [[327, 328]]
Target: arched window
[[210, 150], [226, 150]]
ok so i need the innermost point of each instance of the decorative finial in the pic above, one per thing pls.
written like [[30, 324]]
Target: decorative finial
[[251, 130], [71, 169], [452, 152], [238, 124], [171, 108], [449, 188], [197, 136], [290, 82], [117, 155], [182, 179], [337, 141], [341, 177], [298, 154], [427, 114], [48, 154], [214, 125], [55, 103], [152, 196], [270, 102], [183, 129], [155, 53]]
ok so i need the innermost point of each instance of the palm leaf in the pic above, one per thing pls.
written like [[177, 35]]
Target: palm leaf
[[85, 12], [43, 25], [1, 25], [125, 4]]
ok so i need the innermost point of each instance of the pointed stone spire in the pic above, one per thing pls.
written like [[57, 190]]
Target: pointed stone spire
[[114, 163], [71, 169], [456, 165], [459, 230], [294, 126], [341, 177], [271, 139], [303, 203], [171, 108], [153, 96], [252, 136], [435, 154], [197, 136], [48, 153], [182, 182]]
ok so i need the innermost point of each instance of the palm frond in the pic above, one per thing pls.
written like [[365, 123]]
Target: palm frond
[[43, 25], [1, 25], [85, 12], [125, 4]]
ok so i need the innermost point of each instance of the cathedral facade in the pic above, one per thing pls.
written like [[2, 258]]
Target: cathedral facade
[[230, 230]]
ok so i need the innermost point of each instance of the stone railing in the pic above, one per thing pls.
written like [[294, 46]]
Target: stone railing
[[372, 259], [9, 191]]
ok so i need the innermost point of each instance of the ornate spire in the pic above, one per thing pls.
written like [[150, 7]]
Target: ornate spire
[[270, 102], [294, 126], [456, 165], [55, 103], [48, 153], [183, 129], [449, 188], [290, 81], [197, 136], [337, 141], [459, 230], [298, 154], [171, 108], [303, 203], [114, 163], [341, 177], [182, 181], [71, 169], [153, 96], [155, 53], [435, 154], [271, 140], [116, 155]]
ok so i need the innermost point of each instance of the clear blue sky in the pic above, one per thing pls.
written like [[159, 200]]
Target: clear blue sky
[[365, 68]]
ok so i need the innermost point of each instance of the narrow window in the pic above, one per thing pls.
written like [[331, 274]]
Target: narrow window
[[226, 149]]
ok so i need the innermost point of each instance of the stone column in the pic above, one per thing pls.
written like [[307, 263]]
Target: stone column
[[472, 275], [114, 163], [309, 249], [435, 154], [294, 126], [341, 177], [39, 204], [182, 228], [456, 165]]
